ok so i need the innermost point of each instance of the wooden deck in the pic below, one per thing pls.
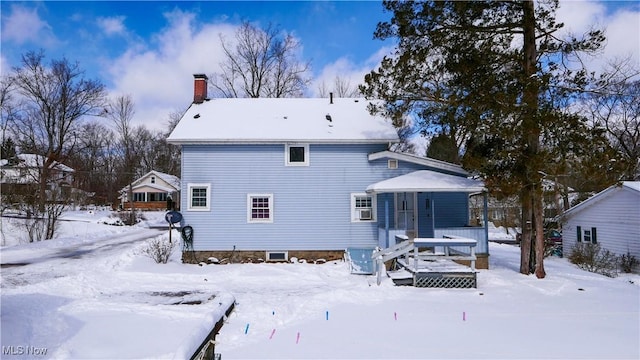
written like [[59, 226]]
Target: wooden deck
[[430, 262]]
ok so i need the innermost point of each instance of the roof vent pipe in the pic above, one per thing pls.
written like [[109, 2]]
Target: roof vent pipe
[[330, 98]]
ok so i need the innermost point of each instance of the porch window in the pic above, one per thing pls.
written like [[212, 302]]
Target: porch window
[[138, 197], [157, 196], [260, 208], [199, 197], [297, 155], [363, 208]]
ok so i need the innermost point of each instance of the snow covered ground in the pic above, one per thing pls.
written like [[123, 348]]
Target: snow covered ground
[[92, 293]]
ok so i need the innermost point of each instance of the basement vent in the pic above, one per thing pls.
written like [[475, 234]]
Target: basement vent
[[277, 256], [392, 164]]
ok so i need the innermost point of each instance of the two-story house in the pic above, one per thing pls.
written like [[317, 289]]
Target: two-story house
[[21, 177], [275, 178]]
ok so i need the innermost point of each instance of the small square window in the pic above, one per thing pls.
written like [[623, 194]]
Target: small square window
[[297, 155], [153, 179]]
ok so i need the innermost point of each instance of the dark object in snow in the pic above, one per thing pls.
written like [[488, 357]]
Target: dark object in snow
[[580, 289]]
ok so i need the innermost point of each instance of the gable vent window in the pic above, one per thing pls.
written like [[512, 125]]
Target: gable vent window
[[153, 179], [392, 164], [296, 155]]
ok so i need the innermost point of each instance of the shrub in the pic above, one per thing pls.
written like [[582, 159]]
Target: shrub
[[128, 218], [593, 258], [628, 262], [159, 249]]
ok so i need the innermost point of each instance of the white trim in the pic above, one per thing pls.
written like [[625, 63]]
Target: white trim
[[249, 208], [192, 186], [355, 213], [287, 148]]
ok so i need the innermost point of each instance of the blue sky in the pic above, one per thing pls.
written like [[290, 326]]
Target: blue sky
[[150, 49]]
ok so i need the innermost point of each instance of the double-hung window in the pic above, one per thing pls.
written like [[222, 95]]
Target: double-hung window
[[363, 208], [260, 208], [296, 154], [199, 197], [587, 235]]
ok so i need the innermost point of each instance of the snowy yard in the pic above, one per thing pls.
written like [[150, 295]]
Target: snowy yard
[[91, 293]]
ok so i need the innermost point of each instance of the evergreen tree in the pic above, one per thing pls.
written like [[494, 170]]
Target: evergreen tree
[[442, 147], [9, 150], [490, 74]]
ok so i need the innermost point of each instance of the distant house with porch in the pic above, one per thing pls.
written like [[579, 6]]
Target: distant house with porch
[[276, 178], [610, 218], [154, 190]]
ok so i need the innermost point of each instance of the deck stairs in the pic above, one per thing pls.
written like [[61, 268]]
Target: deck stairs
[[424, 269]]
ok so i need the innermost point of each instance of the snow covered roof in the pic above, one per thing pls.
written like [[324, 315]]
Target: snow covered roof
[[426, 180], [36, 161], [269, 120], [633, 187], [172, 180]]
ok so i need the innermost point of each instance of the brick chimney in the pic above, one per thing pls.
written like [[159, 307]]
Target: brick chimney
[[199, 88]]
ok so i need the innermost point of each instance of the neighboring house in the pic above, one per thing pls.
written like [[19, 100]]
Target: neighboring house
[[276, 178], [507, 211], [21, 177], [610, 218], [152, 191]]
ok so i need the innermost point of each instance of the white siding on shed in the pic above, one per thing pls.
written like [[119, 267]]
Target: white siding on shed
[[615, 215]]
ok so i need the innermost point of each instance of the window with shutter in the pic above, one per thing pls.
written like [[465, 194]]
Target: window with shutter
[[579, 234]]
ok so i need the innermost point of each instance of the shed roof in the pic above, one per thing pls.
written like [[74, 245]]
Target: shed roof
[[427, 181], [269, 120], [426, 161]]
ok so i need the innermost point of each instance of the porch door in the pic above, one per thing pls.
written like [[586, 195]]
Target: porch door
[[406, 213]]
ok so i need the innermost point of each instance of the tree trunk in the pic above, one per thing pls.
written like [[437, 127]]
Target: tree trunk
[[525, 240], [538, 216], [531, 131]]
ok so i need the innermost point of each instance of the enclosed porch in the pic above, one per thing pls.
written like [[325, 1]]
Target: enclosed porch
[[429, 205]]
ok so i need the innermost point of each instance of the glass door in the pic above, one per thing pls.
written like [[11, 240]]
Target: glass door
[[405, 213]]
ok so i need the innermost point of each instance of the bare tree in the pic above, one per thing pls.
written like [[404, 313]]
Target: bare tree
[[56, 99], [261, 63], [121, 111], [615, 107], [95, 161], [8, 106], [341, 88]]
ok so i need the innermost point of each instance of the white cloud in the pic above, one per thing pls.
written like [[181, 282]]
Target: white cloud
[[347, 71], [160, 80], [112, 25], [622, 29], [24, 25]]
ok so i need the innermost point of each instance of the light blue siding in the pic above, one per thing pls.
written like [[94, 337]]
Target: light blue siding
[[312, 204]]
